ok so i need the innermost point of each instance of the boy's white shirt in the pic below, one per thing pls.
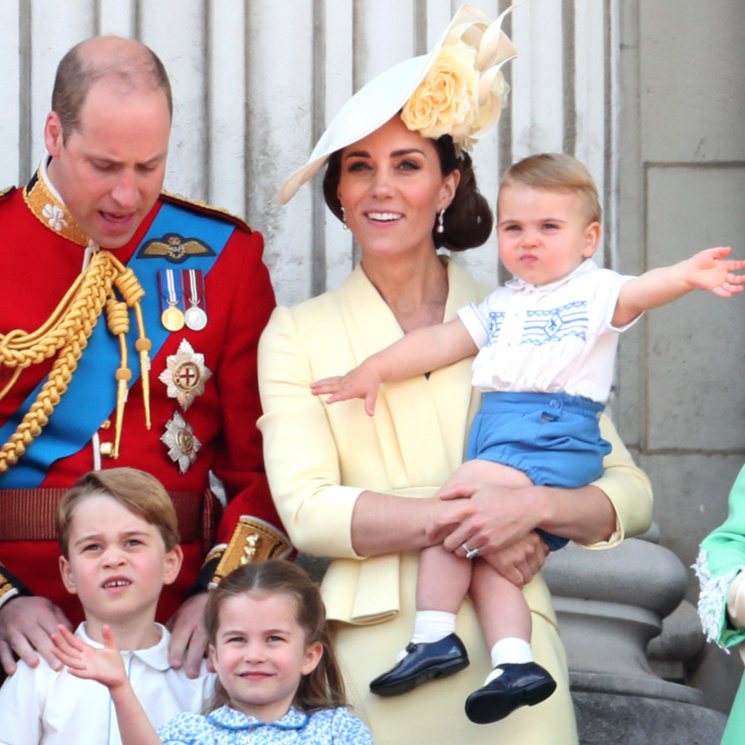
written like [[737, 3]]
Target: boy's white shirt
[[39, 706], [569, 343]]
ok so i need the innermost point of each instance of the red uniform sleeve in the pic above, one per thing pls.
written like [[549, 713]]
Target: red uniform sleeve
[[238, 461]]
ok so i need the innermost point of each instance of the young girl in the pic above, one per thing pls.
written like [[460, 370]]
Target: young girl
[[546, 346], [279, 681]]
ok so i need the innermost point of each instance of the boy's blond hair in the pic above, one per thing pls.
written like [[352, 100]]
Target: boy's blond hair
[[142, 494], [557, 172]]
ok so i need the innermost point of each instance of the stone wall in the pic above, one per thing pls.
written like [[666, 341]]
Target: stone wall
[[681, 401]]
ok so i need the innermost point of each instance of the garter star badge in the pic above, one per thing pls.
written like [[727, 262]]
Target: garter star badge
[[181, 441], [185, 375]]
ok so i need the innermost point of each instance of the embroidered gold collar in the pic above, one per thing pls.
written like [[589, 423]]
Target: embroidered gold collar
[[50, 211]]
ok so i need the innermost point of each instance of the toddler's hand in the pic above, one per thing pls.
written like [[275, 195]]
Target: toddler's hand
[[84, 661], [708, 270], [357, 383]]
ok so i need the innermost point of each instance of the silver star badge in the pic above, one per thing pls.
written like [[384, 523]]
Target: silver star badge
[[185, 375], [181, 442]]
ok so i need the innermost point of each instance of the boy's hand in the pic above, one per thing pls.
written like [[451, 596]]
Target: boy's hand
[[83, 661], [708, 270], [362, 382]]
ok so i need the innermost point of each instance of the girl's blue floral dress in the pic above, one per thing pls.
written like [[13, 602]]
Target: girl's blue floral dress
[[226, 726]]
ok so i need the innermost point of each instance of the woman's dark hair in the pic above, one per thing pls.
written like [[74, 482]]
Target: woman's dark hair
[[323, 688], [468, 220]]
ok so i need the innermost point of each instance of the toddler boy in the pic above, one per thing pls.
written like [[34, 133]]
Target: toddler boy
[[545, 347]]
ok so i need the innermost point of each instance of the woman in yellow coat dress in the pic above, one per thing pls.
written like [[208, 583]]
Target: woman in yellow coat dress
[[359, 488]]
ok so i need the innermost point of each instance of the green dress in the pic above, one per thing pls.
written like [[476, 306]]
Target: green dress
[[721, 559]]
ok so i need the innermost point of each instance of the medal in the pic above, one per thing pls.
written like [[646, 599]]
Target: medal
[[181, 442], [185, 375], [195, 316], [172, 317]]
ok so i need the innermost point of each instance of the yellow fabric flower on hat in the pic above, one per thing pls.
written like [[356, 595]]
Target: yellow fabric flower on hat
[[464, 90], [447, 100]]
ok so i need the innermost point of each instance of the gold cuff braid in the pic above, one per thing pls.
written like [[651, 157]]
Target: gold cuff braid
[[7, 588], [253, 540]]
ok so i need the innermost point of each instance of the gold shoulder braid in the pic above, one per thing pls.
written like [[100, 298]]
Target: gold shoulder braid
[[66, 333]]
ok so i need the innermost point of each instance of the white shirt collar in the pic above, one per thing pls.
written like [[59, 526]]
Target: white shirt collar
[[43, 174], [520, 285], [155, 656]]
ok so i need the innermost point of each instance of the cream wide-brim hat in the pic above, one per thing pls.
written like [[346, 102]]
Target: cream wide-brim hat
[[384, 96]]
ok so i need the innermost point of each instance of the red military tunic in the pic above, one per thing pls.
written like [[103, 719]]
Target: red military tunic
[[38, 266]]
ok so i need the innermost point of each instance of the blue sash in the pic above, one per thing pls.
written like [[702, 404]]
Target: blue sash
[[91, 394]]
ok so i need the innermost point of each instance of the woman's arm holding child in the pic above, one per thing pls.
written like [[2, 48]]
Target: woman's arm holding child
[[706, 270], [419, 352], [107, 667]]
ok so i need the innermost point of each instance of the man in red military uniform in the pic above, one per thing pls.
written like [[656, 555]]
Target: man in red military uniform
[[94, 372]]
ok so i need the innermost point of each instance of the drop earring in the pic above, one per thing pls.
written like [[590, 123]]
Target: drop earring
[[440, 220], [344, 219]]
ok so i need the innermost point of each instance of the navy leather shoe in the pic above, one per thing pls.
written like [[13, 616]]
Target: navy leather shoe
[[423, 662], [523, 684]]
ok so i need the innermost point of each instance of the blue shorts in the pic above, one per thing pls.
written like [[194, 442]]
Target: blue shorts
[[554, 438]]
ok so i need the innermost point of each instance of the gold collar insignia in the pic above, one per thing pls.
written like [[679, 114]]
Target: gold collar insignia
[[50, 211]]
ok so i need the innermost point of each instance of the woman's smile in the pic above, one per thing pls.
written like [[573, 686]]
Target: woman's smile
[[384, 216], [393, 178]]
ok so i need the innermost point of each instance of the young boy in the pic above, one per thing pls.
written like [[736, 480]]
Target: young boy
[[546, 347], [119, 539]]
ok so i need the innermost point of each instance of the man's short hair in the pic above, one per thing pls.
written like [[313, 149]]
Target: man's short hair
[[142, 494], [78, 72], [557, 172]]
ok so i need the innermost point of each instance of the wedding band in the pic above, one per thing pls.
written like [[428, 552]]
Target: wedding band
[[471, 553]]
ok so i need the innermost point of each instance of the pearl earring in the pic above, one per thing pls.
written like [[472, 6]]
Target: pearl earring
[[344, 219], [440, 219]]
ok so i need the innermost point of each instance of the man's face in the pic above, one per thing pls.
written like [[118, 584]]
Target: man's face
[[110, 171]]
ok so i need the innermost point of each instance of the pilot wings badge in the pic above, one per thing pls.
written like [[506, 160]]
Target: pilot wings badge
[[174, 248]]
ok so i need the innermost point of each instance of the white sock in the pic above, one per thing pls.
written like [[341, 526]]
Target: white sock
[[430, 626], [511, 649]]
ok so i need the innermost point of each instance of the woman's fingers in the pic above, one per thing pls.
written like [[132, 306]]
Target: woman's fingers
[[521, 561]]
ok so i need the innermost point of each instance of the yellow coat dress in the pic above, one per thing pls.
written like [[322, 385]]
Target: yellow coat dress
[[320, 458]]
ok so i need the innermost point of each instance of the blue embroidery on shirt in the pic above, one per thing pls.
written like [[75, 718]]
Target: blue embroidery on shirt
[[548, 326], [496, 319]]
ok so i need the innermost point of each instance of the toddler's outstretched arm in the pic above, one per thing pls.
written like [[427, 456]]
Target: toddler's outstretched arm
[[417, 353], [706, 270], [107, 667]]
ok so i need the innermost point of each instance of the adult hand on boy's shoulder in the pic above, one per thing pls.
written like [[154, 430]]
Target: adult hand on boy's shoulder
[[26, 627], [188, 636]]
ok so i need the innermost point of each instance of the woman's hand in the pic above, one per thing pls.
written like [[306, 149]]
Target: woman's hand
[[498, 522], [486, 517], [521, 561], [736, 601]]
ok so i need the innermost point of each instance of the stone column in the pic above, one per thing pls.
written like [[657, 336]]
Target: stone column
[[610, 604]]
